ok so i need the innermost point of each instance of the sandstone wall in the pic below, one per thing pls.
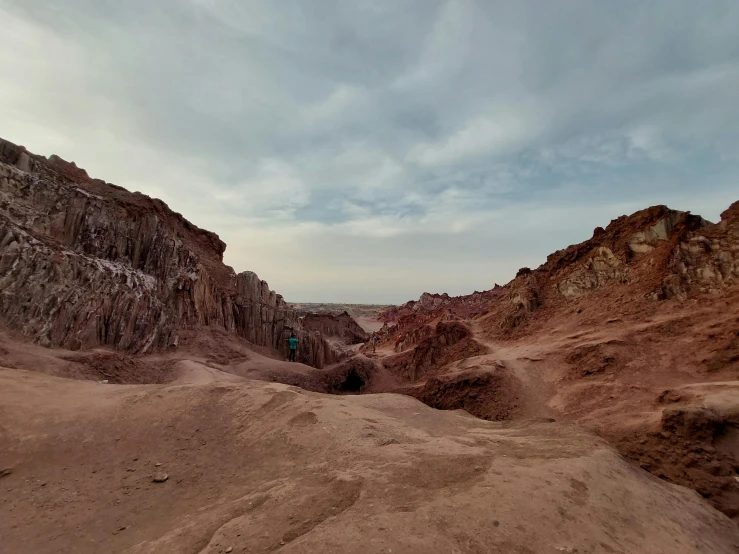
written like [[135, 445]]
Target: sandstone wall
[[84, 263]]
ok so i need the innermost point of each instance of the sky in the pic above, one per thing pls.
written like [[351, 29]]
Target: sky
[[354, 151]]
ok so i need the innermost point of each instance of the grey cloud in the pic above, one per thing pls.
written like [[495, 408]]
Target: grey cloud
[[428, 118]]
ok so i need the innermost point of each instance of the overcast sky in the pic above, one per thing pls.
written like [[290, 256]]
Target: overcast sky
[[357, 151]]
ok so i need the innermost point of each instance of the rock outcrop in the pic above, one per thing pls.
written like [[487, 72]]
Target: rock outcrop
[[316, 350], [488, 394], [645, 252], [707, 260], [465, 306], [448, 342], [341, 326], [84, 263]]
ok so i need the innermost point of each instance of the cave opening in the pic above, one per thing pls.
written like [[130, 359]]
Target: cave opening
[[352, 384]]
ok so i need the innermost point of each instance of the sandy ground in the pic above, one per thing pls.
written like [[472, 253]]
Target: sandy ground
[[256, 466], [263, 467]]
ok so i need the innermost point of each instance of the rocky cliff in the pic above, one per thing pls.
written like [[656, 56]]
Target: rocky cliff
[[341, 326], [84, 263]]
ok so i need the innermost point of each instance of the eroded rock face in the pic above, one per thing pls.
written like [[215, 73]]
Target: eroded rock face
[[84, 263], [492, 395], [47, 295], [644, 241], [708, 261], [341, 326], [606, 258], [449, 342], [601, 268], [693, 446]]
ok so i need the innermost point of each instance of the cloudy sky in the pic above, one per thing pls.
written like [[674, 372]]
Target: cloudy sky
[[357, 151]]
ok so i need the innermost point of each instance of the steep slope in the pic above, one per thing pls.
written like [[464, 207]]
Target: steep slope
[[84, 263]]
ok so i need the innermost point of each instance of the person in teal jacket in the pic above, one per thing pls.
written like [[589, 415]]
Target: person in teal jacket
[[293, 346]]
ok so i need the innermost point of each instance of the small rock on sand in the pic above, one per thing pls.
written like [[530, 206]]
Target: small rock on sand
[[160, 478]]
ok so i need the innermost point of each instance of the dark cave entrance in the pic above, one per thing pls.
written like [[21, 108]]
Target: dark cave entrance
[[352, 384]]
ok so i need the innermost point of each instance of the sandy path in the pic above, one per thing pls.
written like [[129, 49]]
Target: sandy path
[[518, 359]]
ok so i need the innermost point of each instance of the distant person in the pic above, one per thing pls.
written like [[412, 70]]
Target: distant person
[[293, 346], [373, 340]]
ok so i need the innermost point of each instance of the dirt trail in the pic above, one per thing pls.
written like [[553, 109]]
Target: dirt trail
[[521, 360]]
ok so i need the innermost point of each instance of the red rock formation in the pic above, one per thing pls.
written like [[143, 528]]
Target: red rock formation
[[341, 326], [84, 263], [595, 335], [448, 342], [706, 260], [641, 252], [492, 395], [465, 306]]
